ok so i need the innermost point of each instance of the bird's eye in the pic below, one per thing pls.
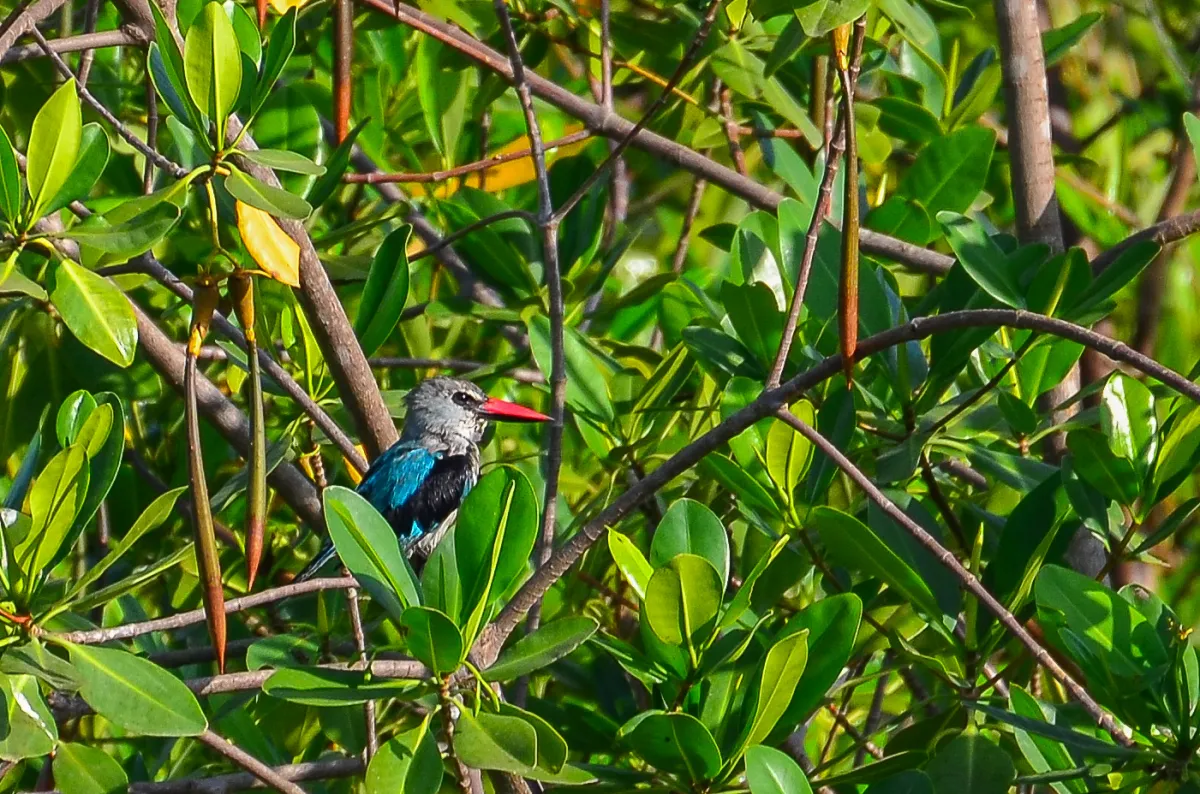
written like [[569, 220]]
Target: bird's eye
[[462, 398]]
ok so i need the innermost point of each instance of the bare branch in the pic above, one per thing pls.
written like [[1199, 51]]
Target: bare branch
[[226, 784], [1164, 233], [248, 762], [23, 19]]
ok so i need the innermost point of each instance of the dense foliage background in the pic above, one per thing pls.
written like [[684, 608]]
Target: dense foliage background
[[872, 462]]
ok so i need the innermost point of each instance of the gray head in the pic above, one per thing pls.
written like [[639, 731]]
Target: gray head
[[455, 410]]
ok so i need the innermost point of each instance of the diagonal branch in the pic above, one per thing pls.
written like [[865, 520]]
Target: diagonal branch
[[768, 403], [241, 781], [248, 762]]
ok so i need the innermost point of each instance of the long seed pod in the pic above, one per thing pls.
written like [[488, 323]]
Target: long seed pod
[[261, 7], [212, 590], [241, 289], [848, 291]]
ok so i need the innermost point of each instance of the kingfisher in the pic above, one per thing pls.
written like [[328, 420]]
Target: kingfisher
[[420, 481]]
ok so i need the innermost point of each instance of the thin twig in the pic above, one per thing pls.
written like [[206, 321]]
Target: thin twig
[[248, 762], [192, 617], [343, 58], [151, 133], [731, 131], [85, 42], [968, 579], [241, 781], [360, 645], [165, 163], [519, 374], [89, 53], [1164, 233], [377, 177]]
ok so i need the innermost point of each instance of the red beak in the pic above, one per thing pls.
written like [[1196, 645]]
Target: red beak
[[510, 412]]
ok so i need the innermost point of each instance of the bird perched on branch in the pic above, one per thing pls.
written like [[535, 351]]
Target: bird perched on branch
[[419, 482]]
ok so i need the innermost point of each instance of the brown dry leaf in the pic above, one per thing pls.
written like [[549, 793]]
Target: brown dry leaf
[[269, 245]]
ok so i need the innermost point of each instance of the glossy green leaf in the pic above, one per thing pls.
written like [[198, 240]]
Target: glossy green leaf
[[53, 146], [279, 49], [689, 527], [818, 17], [502, 249], [720, 353], [507, 743], [1098, 466], [832, 626], [79, 769], [368, 547], [27, 727], [212, 64], [1122, 271], [335, 166], [283, 160], [136, 694], [96, 311], [35, 659], [130, 237], [971, 763], [551, 642], [408, 763], [10, 180], [1129, 421], [683, 600], [632, 563], [579, 234], [950, 171], [260, 195], [851, 544], [89, 166], [106, 450], [1057, 42], [981, 258], [385, 291], [749, 491], [909, 782], [907, 120], [73, 412], [325, 687], [442, 95], [769, 771], [281, 650], [755, 315], [789, 454], [781, 672], [1042, 753], [54, 501], [673, 742], [587, 387], [432, 638]]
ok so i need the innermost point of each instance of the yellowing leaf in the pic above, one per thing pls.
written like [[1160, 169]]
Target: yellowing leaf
[[512, 173], [355, 474], [269, 245], [283, 6]]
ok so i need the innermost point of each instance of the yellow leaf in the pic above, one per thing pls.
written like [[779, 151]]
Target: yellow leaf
[[281, 6], [355, 474], [512, 173], [269, 245]]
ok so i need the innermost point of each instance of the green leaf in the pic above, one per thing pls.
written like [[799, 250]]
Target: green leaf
[[54, 501], [128, 238], [769, 771], [580, 232], [33, 658], [1074, 739], [1123, 270], [674, 742], [79, 769], [441, 93], [89, 166], [755, 316], [683, 600], [501, 249], [1129, 421], [722, 354], [851, 544], [325, 687], [978, 100], [212, 63], [629, 559], [1043, 754], [27, 728], [910, 782], [730, 475], [154, 516], [10, 180], [587, 387], [72, 414], [368, 547], [1094, 461], [432, 638], [832, 627], [408, 763], [335, 165], [136, 694], [971, 763], [279, 50], [105, 452], [260, 195], [551, 642], [384, 292], [510, 744], [495, 531], [1057, 42], [283, 160], [789, 454], [906, 120], [818, 17], [781, 671], [689, 527], [53, 146], [1178, 518], [950, 171], [96, 311], [168, 72], [981, 258]]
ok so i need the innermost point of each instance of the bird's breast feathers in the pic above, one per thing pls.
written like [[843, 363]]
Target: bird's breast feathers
[[416, 488]]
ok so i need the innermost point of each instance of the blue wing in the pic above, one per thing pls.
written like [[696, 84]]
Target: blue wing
[[394, 478]]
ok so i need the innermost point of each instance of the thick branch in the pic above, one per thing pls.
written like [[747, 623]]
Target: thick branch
[[80, 43]]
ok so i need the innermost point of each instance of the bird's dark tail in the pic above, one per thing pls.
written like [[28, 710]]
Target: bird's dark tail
[[326, 554]]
